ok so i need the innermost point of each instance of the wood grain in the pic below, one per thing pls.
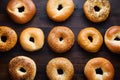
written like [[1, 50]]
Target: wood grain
[[76, 55]]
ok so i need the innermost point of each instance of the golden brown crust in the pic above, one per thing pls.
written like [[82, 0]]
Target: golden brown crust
[[11, 38], [93, 44], [59, 15], [22, 62], [60, 63], [111, 34], [38, 39], [99, 15], [99, 62], [21, 17], [56, 43]]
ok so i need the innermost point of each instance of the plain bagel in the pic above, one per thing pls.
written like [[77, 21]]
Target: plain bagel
[[59, 10], [112, 39], [99, 69], [21, 11], [90, 39], [32, 39]]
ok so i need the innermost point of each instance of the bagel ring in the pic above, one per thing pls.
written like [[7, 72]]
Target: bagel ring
[[61, 39], [22, 68], [90, 39], [8, 38], [112, 39], [60, 69], [97, 10], [59, 10], [21, 11], [99, 69], [32, 39]]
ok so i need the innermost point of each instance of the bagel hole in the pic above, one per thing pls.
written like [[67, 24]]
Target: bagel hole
[[90, 38], [96, 8], [4, 38], [22, 70], [99, 71], [21, 9], [117, 39], [60, 71], [31, 39], [60, 7], [61, 38]]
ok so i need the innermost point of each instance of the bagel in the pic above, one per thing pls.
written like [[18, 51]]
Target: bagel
[[90, 39], [21, 11], [97, 10], [99, 69], [60, 69], [32, 39], [22, 68], [8, 38], [57, 9], [112, 39], [61, 39]]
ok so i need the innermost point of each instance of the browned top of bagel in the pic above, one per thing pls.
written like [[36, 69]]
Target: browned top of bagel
[[21, 11]]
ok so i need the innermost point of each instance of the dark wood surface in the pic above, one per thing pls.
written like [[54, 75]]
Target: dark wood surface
[[76, 55]]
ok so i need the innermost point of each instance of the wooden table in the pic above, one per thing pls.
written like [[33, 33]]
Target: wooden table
[[76, 55]]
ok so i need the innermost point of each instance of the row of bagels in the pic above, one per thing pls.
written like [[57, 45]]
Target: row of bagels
[[60, 39], [22, 11]]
